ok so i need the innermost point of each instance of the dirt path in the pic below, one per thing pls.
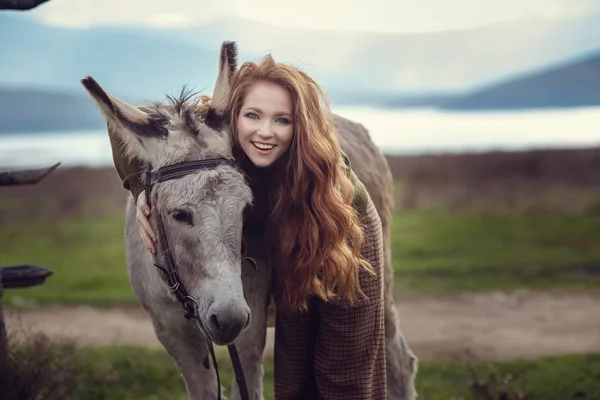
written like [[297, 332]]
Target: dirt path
[[482, 326]]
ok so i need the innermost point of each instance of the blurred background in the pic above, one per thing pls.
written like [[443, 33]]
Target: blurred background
[[434, 76], [488, 114]]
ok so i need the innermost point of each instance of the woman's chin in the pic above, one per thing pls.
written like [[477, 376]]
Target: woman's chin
[[263, 161]]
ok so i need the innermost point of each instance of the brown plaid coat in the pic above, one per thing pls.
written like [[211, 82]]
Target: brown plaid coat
[[335, 351]]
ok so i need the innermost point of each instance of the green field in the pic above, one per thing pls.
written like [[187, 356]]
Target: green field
[[437, 249], [434, 251]]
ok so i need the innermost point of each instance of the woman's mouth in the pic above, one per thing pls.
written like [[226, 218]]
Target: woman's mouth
[[263, 147]]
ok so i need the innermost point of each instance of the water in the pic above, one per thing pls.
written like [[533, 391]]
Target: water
[[394, 131]]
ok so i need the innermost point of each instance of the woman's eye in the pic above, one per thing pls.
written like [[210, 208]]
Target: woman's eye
[[285, 121], [251, 115], [182, 216]]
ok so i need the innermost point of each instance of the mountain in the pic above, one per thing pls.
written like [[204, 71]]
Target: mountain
[[144, 62], [574, 84], [34, 110], [125, 61]]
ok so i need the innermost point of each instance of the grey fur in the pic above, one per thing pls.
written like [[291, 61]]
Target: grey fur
[[207, 252]]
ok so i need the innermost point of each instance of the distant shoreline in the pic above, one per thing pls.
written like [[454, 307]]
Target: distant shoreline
[[51, 127]]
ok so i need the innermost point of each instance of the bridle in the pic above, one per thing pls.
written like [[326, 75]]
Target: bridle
[[188, 302]]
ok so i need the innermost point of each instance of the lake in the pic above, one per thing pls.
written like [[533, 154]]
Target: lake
[[395, 131]]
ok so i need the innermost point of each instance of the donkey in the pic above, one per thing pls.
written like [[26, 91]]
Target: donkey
[[202, 215]]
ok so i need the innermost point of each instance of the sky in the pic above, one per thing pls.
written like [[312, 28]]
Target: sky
[[340, 15]]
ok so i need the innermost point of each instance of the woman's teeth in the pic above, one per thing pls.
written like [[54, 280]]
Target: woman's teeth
[[263, 146]]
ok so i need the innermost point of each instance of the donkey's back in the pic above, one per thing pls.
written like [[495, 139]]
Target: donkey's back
[[369, 164], [371, 167]]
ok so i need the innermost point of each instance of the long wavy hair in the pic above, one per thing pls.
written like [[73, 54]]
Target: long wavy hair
[[317, 232]]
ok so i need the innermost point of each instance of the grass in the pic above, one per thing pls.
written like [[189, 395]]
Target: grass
[[441, 251], [135, 373], [436, 251], [86, 255]]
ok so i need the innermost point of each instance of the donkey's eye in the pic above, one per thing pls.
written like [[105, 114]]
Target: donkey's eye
[[182, 216]]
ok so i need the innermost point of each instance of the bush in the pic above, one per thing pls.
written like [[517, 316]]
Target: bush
[[37, 368]]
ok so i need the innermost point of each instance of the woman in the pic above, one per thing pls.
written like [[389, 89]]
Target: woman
[[309, 207]]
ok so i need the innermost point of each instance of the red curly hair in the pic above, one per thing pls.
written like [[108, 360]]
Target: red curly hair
[[315, 223]]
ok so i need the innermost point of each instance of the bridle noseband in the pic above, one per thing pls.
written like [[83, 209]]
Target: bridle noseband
[[188, 302]]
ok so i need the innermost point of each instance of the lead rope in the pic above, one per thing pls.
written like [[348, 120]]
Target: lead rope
[[211, 350], [238, 371]]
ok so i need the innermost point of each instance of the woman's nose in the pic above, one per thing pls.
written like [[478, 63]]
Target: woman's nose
[[265, 130]]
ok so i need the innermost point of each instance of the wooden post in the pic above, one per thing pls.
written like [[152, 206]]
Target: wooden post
[[19, 276]]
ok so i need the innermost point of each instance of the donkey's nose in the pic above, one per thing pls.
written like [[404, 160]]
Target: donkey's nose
[[226, 325], [220, 327]]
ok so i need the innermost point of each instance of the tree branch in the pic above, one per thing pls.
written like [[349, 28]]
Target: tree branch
[[20, 4]]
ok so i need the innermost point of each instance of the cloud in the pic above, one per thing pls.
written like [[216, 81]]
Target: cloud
[[83, 13]]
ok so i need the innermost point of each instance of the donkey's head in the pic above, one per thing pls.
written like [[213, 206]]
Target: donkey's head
[[201, 212]]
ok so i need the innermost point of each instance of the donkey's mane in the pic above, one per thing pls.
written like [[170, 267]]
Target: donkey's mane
[[187, 100], [187, 105]]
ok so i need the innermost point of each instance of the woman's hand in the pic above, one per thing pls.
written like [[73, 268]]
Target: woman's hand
[[141, 216]]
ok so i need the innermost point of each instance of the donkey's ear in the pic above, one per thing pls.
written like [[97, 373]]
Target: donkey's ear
[[227, 67], [130, 117], [131, 124]]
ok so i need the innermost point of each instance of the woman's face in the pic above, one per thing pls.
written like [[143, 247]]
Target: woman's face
[[264, 126]]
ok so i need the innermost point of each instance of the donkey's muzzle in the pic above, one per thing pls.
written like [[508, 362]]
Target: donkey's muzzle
[[226, 325]]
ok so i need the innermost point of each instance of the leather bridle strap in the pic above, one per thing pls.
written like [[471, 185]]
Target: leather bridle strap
[[188, 302], [174, 171], [237, 369]]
